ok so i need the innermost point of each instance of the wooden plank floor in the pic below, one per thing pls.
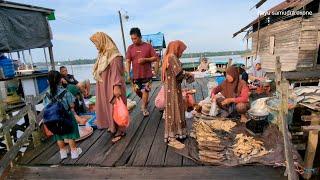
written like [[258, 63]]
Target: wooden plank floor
[[143, 146], [206, 172]]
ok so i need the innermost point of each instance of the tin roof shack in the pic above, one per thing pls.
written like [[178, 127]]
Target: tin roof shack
[[25, 27], [293, 37], [22, 29]]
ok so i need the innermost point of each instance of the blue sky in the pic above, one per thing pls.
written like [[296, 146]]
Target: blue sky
[[204, 25]]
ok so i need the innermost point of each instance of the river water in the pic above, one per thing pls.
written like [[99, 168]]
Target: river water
[[84, 71]]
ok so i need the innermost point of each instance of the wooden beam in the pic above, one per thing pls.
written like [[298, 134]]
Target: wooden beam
[[312, 127], [260, 3], [311, 148], [311, 118], [10, 155], [32, 115], [283, 113], [51, 58], [278, 74], [14, 120]]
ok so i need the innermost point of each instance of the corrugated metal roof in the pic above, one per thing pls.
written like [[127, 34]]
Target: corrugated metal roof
[[15, 5], [287, 4], [157, 40]]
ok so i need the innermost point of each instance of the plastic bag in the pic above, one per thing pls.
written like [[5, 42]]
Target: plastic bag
[[160, 101], [214, 110], [120, 113]]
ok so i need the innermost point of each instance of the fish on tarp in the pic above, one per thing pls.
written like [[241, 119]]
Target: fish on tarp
[[306, 90]]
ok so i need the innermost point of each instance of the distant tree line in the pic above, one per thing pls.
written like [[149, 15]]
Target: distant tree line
[[185, 55], [210, 54]]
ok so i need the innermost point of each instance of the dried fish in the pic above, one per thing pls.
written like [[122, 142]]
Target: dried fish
[[222, 125], [247, 147]]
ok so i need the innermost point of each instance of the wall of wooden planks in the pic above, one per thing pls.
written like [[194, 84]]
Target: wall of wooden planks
[[295, 41]]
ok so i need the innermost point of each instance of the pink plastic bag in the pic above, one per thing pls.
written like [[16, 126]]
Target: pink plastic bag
[[120, 113], [160, 101]]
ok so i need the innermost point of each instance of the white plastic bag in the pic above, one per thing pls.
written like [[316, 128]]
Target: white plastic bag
[[214, 110]]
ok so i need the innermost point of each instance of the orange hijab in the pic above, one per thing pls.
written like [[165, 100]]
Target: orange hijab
[[175, 48]]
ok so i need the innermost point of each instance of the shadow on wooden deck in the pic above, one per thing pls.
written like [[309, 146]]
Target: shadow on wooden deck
[[143, 146]]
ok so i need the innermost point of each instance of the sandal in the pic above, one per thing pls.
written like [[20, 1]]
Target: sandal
[[118, 137], [176, 144], [145, 112]]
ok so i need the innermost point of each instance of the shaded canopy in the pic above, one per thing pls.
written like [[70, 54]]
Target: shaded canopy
[[156, 40], [23, 27]]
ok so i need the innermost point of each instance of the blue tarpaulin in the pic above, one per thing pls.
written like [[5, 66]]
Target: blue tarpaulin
[[157, 40]]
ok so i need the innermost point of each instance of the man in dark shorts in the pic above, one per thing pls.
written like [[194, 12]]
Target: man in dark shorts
[[84, 86], [141, 55]]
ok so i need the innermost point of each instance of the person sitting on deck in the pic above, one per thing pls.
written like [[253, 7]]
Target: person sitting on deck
[[69, 79], [235, 94], [257, 73], [141, 55], [56, 88], [79, 104], [204, 65], [258, 76]]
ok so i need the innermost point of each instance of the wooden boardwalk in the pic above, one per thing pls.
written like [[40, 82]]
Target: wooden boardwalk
[[143, 146]]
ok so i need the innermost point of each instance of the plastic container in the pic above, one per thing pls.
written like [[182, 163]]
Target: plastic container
[[219, 79], [211, 85], [7, 67], [273, 107], [42, 83]]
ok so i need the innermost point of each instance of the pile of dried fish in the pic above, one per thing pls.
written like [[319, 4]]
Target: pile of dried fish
[[209, 136], [247, 147], [307, 94], [226, 125]]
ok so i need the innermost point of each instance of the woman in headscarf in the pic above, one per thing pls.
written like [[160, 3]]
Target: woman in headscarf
[[172, 76], [235, 94], [108, 72]]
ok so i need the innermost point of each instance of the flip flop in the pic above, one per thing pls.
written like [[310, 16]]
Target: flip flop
[[145, 112], [176, 144], [118, 137]]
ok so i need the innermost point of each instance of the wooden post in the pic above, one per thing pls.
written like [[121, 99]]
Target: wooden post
[[229, 62], [278, 75], [32, 115], [311, 148], [283, 113], [51, 58], [7, 138]]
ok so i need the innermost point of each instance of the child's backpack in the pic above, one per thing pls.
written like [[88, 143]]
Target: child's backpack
[[56, 117]]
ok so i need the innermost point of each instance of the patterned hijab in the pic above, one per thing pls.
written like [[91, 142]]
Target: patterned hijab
[[107, 52], [175, 48]]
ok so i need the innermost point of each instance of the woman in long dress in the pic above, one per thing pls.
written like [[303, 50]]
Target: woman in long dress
[[172, 76], [108, 72]]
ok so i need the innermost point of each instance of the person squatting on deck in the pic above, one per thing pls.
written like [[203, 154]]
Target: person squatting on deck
[[56, 88], [67, 79], [141, 55], [108, 71], [235, 94], [172, 76]]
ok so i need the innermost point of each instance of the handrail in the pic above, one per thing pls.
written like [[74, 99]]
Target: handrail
[[12, 153], [34, 119], [14, 120]]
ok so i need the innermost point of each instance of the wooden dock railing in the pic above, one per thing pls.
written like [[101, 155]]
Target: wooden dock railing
[[282, 86], [13, 148]]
